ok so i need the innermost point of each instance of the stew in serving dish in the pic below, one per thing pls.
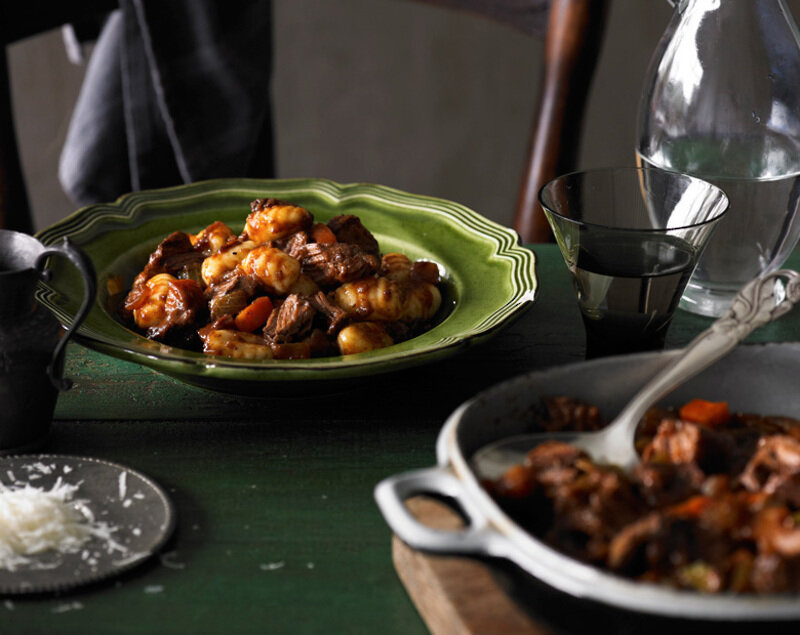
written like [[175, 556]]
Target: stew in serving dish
[[286, 287], [714, 505]]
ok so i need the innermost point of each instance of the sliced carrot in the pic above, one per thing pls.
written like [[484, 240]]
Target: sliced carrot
[[254, 314], [710, 413], [517, 482], [691, 507], [321, 233]]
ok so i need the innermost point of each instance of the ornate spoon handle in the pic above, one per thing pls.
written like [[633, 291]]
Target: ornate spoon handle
[[755, 305]]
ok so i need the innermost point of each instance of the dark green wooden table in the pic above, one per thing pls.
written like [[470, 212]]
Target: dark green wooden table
[[277, 529]]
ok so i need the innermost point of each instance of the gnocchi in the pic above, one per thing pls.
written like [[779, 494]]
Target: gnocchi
[[286, 287], [274, 270], [216, 266], [271, 219], [361, 337]]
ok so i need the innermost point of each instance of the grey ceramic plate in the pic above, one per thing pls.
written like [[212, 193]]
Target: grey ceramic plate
[[754, 378], [489, 279], [126, 500]]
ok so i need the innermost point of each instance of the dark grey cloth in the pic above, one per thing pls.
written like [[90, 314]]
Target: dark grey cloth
[[174, 92]]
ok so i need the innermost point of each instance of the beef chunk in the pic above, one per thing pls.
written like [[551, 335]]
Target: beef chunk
[[788, 490], [554, 461], [232, 281], [184, 306], [567, 413], [230, 294], [596, 504], [675, 442], [775, 468], [290, 350], [667, 483], [184, 301], [683, 442], [659, 543], [319, 344], [348, 229], [260, 204], [173, 254], [291, 321], [589, 503], [294, 244], [626, 550], [335, 315], [774, 531], [770, 574], [333, 264]]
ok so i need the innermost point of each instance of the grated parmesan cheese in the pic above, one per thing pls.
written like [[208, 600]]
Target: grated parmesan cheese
[[34, 520], [123, 485]]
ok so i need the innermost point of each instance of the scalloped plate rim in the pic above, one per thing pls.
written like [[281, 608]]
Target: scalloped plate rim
[[131, 210]]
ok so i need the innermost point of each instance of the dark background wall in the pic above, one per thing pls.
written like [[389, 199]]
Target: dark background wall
[[388, 91]]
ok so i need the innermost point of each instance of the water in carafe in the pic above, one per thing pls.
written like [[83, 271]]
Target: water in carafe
[[722, 102]]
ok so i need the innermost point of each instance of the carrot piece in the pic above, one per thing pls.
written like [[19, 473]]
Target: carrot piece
[[321, 233], [517, 482], [254, 314], [691, 507], [710, 413]]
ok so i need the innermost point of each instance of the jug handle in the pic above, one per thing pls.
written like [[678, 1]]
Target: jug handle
[[86, 268]]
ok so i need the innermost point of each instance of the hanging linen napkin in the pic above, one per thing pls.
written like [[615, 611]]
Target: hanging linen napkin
[[174, 92]]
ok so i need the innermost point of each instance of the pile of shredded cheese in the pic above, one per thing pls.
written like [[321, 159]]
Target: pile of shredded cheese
[[34, 521]]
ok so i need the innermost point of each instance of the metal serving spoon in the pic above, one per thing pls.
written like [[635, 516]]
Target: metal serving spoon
[[759, 302]]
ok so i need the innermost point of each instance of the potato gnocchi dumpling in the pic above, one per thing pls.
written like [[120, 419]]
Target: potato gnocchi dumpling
[[372, 299], [361, 337], [223, 262], [213, 238], [164, 302], [275, 270], [286, 287], [422, 302], [271, 219], [236, 344]]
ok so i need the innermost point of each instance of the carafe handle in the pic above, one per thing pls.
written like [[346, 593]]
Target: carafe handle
[[86, 268]]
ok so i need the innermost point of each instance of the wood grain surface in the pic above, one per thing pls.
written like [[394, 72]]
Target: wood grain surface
[[456, 595]]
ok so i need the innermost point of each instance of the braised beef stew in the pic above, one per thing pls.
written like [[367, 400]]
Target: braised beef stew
[[714, 505], [286, 287]]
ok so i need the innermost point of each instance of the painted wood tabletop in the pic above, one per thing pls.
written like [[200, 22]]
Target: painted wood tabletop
[[277, 529]]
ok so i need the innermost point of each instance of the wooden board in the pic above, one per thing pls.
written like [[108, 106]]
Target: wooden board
[[467, 596], [454, 594]]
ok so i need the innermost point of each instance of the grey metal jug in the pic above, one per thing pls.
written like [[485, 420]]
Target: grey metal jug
[[31, 339]]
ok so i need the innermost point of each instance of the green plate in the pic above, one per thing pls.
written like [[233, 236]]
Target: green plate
[[489, 279]]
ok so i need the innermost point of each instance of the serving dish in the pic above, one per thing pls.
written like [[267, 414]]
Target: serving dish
[[489, 278], [754, 378]]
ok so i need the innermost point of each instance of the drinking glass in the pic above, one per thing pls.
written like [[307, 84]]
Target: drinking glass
[[631, 238]]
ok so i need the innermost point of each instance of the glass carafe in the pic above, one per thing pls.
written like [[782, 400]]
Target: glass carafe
[[721, 101]]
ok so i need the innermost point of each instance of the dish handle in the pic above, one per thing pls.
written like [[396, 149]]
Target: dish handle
[[476, 538]]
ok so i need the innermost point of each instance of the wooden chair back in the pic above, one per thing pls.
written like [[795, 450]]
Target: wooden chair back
[[573, 33], [572, 30]]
